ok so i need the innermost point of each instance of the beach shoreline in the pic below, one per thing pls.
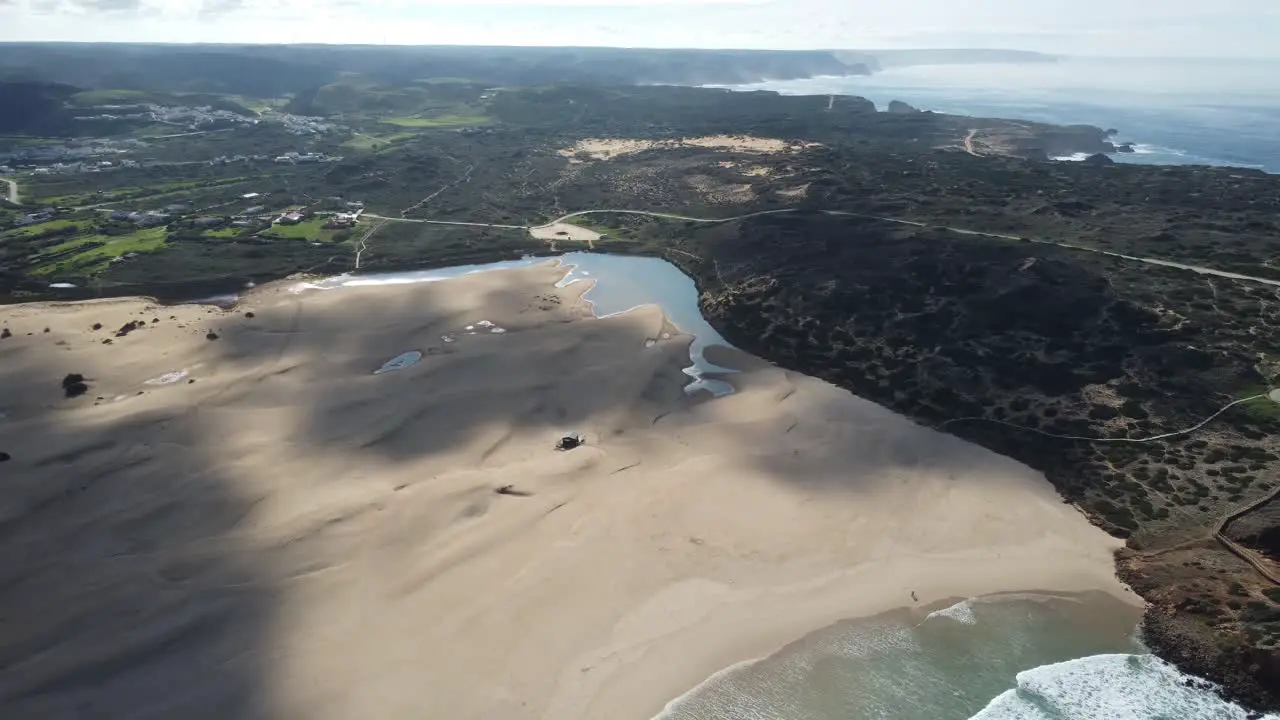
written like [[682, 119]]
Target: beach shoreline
[[351, 529], [753, 635], [1103, 618]]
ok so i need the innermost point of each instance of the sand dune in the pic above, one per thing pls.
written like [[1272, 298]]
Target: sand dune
[[292, 536]]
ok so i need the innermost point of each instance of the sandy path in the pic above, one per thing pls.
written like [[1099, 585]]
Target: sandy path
[[291, 536]]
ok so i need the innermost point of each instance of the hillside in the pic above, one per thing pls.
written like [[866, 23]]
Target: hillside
[[270, 71], [35, 108]]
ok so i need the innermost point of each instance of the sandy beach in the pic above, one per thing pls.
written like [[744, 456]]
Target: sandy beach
[[281, 533]]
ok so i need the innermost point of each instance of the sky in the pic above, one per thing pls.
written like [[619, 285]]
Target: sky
[[1153, 28]]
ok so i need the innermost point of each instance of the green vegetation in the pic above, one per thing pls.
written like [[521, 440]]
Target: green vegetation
[[1262, 408], [376, 141], [438, 121], [311, 230], [44, 227], [90, 98], [610, 233], [227, 232], [259, 105], [54, 192], [307, 230], [101, 249]]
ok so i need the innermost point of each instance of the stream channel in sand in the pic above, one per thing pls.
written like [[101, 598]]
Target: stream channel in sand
[[632, 282]]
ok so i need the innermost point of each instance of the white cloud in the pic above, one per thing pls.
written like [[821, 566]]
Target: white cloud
[[1115, 27]]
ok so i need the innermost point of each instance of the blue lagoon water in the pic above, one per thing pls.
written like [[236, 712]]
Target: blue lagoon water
[[619, 283]]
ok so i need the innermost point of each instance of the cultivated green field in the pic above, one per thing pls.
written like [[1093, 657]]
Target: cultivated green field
[[437, 121], [100, 249], [38, 228]]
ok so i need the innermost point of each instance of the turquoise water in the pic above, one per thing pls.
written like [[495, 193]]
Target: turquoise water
[[626, 282], [1012, 658]]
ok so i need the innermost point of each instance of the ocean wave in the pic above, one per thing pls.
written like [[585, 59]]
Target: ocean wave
[[693, 696], [1074, 157], [1144, 149], [961, 612], [1111, 687]]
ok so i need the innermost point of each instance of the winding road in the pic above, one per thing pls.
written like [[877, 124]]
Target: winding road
[[13, 196], [446, 222], [978, 233], [841, 213], [1153, 438]]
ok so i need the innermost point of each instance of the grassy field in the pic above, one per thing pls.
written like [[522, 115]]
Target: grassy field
[[227, 232], [259, 105], [96, 258], [126, 194], [1261, 408], [366, 141], [38, 228], [310, 230], [437, 121]]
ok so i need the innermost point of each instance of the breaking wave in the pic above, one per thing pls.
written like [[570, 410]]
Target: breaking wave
[[968, 661], [961, 612], [1111, 687]]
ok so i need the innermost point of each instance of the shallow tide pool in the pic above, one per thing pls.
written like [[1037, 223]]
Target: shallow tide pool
[[621, 283]]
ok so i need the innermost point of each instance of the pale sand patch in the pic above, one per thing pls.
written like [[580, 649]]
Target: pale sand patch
[[798, 191], [564, 231], [720, 193], [610, 148], [294, 537]]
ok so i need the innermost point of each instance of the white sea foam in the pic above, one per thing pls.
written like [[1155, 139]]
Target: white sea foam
[[676, 705], [167, 378], [961, 612], [1074, 157], [1110, 687]]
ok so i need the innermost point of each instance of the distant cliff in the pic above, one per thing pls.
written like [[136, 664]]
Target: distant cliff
[[900, 108], [274, 70]]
